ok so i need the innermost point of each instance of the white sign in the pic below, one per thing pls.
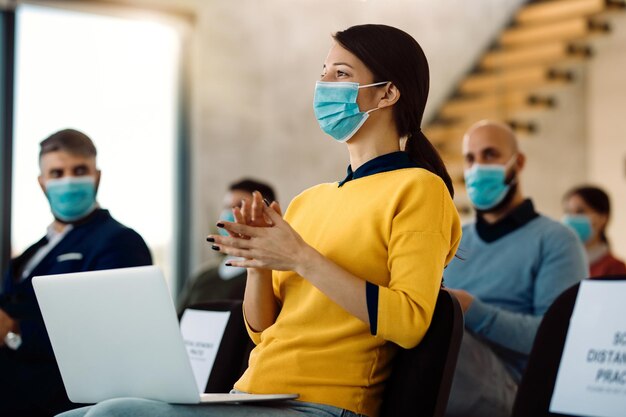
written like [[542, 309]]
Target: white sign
[[202, 332], [592, 376]]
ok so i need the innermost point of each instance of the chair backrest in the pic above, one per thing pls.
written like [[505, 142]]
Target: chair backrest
[[421, 377], [537, 385], [232, 355]]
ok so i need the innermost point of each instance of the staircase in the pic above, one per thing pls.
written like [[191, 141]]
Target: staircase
[[518, 79]]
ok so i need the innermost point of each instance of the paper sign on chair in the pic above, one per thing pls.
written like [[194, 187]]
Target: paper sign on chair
[[202, 332], [592, 375]]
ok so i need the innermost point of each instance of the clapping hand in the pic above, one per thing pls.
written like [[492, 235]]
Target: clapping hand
[[261, 236], [252, 213]]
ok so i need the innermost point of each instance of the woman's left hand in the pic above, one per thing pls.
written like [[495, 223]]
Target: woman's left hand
[[278, 247]]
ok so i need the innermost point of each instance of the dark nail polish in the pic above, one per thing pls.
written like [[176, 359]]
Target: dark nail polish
[[267, 203], [210, 239], [215, 247], [220, 225], [228, 264]]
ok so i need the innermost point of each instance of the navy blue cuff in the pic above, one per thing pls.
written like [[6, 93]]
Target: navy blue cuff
[[371, 296]]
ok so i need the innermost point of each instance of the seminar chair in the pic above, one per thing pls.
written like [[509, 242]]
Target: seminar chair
[[537, 385], [421, 378], [420, 382], [232, 356]]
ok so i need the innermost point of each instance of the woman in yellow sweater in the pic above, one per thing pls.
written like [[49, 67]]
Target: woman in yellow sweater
[[354, 268]]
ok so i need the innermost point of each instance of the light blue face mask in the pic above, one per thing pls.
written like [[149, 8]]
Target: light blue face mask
[[337, 113], [486, 184], [228, 216], [71, 198], [581, 224]]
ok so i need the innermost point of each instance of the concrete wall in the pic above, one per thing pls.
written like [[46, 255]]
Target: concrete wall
[[606, 118], [557, 153], [255, 64]]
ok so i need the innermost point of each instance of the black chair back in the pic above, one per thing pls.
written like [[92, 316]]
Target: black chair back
[[421, 378], [232, 356], [537, 385]]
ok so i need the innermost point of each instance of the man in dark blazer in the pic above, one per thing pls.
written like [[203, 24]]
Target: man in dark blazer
[[83, 237]]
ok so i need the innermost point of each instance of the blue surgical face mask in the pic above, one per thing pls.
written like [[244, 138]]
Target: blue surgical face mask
[[228, 216], [336, 109], [581, 225], [486, 184], [71, 198]]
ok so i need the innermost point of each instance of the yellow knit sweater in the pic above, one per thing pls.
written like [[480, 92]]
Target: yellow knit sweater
[[396, 229]]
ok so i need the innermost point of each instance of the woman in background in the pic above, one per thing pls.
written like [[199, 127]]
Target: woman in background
[[587, 210], [354, 269]]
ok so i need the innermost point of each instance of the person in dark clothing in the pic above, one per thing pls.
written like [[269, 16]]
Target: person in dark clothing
[[221, 282], [82, 237]]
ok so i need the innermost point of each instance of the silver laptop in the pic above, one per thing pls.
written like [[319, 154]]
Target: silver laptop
[[115, 333]]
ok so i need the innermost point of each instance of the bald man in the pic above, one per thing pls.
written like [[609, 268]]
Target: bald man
[[512, 263]]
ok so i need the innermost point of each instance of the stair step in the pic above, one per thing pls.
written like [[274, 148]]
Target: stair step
[[514, 79], [565, 30], [510, 102], [550, 11], [547, 53]]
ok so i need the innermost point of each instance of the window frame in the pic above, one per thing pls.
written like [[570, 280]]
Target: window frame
[[182, 169]]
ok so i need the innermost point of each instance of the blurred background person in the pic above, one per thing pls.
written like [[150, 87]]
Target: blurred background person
[[222, 282], [588, 211]]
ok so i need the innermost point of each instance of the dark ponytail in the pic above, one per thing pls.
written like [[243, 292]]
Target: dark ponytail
[[424, 153], [393, 55]]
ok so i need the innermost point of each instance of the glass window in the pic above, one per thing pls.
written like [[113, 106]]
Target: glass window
[[116, 80]]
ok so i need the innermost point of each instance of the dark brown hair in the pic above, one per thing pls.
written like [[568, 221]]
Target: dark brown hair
[[393, 55], [597, 199], [250, 185], [70, 141]]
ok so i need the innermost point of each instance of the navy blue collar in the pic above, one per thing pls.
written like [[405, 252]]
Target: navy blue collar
[[520, 216], [383, 163]]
